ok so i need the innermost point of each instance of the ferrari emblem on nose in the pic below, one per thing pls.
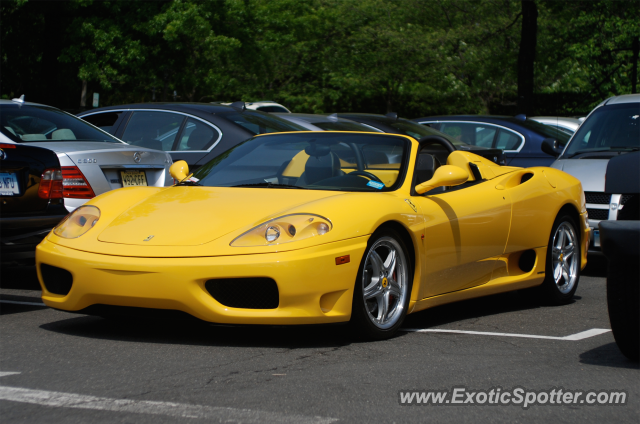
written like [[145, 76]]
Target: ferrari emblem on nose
[[148, 238], [137, 157]]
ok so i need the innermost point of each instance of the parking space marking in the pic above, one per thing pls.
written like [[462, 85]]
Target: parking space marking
[[5, 373], [572, 337], [15, 302], [183, 410]]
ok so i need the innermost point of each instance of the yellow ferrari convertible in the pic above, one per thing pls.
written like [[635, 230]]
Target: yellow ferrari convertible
[[321, 227]]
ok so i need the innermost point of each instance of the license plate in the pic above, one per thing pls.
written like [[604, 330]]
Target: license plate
[[133, 178], [9, 184]]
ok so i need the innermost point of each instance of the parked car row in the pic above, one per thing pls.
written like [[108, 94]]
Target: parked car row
[[135, 144]]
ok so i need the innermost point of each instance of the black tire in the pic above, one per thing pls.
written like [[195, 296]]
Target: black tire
[[363, 323], [554, 289], [623, 303]]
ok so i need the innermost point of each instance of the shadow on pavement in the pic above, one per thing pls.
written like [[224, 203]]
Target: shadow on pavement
[[473, 308], [195, 332], [607, 355]]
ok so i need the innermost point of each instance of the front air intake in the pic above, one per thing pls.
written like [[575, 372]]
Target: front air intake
[[247, 293], [56, 280]]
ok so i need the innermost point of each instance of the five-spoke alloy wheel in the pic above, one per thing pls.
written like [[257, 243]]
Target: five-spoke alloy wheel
[[383, 286], [563, 261]]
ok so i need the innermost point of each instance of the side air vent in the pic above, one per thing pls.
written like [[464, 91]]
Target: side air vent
[[247, 293], [526, 177], [527, 260], [56, 280]]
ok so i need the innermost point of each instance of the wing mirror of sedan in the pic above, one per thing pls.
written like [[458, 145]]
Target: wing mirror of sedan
[[446, 175], [551, 147], [179, 171]]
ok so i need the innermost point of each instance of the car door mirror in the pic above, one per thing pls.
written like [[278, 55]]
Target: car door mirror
[[551, 147], [179, 171], [446, 175]]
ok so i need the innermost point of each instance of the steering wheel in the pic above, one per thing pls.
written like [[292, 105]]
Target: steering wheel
[[366, 174], [429, 140]]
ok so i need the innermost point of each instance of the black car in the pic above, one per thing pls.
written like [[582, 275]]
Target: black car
[[31, 196], [620, 242], [390, 123], [193, 132], [519, 137]]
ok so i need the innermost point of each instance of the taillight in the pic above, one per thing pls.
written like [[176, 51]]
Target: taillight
[[51, 184], [75, 185], [7, 146]]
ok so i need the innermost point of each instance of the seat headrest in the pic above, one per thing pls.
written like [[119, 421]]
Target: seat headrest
[[320, 168], [426, 165], [317, 150]]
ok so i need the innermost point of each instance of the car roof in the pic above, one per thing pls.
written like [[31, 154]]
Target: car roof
[[179, 106], [626, 98], [12, 102]]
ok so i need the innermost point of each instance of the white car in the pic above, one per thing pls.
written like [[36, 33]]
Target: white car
[[610, 130], [262, 106], [566, 125], [92, 160]]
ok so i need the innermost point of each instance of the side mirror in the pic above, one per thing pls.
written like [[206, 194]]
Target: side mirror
[[551, 147], [446, 175], [179, 171]]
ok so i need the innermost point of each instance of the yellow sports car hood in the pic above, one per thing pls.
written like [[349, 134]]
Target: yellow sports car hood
[[190, 216]]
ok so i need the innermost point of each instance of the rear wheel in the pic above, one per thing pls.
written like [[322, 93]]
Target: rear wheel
[[563, 262], [382, 288]]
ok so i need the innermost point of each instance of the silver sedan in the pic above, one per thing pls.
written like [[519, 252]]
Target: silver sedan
[[92, 160]]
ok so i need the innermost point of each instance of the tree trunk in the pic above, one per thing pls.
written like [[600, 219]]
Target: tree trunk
[[83, 95], [526, 56], [634, 70]]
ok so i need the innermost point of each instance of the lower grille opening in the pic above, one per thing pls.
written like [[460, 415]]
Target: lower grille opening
[[598, 214], [247, 293], [56, 280]]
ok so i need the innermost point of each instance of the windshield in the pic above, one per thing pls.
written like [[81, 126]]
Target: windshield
[[344, 126], [26, 123], [612, 128], [262, 123], [311, 160]]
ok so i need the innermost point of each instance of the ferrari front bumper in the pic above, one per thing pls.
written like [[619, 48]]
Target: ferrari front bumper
[[312, 288]]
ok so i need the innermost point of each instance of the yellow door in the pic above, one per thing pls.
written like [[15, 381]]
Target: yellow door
[[464, 229]]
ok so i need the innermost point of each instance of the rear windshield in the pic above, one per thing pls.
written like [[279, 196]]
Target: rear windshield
[[546, 130], [614, 128], [26, 123], [262, 123]]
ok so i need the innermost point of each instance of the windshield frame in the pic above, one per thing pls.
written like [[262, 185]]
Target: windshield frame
[[17, 139], [407, 141]]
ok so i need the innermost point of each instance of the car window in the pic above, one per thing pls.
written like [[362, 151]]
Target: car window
[[344, 126], [470, 133], [615, 128], [104, 121], [154, 130], [262, 123], [27, 123], [508, 140], [197, 136], [272, 109]]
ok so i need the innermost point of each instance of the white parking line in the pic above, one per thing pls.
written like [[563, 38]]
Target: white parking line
[[573, 337], [216, 413], [15, 302]]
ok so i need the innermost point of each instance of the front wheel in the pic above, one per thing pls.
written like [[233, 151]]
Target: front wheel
[[562, 270], [382, 287]]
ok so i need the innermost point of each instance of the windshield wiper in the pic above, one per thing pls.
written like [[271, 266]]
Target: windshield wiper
[[270, 185], [615, 149]]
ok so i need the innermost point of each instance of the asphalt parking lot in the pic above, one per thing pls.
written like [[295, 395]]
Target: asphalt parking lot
[[60, 367]]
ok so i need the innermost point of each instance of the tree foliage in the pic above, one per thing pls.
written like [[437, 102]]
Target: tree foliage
[[416, 57]]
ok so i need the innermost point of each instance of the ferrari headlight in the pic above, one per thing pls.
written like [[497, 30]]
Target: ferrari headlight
[[284, 229], [78, 222]]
